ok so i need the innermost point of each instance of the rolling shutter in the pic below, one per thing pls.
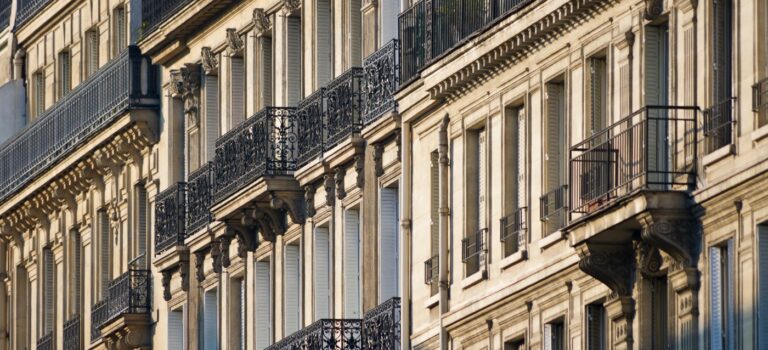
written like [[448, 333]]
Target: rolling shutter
[[93, 54], [241, 312], [39, 95], [142, 236], [265, 82], [324, 43], [176, 330], [105, 245], [554, 136], [520, 159], [388, 245], [434, 185], [355, 33], [482, 173], [75, 272], [211, 115], [595, 327], [65, 76], [596, 96], [730, 301], [210, 320], [656, 57], [121, 40], [716, 299], [292, 286], [49, 290], [722, 33], [352, 264], [237, 91], [263, 303], [322, 273], [293, 61], [762, 289]]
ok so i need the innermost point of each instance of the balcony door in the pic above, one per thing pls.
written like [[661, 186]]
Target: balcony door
[[656, 95]]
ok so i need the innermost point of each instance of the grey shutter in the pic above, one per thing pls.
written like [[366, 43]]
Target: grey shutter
[[65, 73], [595, 327], [322, 273], [49, 290], [142, 232], [730, 293], [210, 320], [596, 93], [435, 204], [39, 95], [352, 264], [105, 245], [324, 43], [93, 54], [211, 115], [554, 138], [263, 303], [716, 299], [75, 271], [120, 30], [388, 245], [293, 61], [176, 330], [762, 289], [292, 285], [241, 312], [265, 83], [236, 91], [722, 50], [355, 33], [520, 158]]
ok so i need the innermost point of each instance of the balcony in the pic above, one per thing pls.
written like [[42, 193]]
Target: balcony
[[26, 9], [553, 209], [325, 334], [472, 250], [718, 125], [199, 198], [431, 29], [72, 333], [170, 215], [311, 116], [124, 84], [5, 14], [127, 306], [46, 342], [382, 78], [99, 314], [514, 232], [381, 326]]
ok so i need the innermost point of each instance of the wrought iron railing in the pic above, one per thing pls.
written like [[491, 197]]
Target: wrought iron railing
[[170, 215], [127, 82], [72, 333], [199, 198], [381, 326], [325, 334], [311, 120], [154, 12], [718, 124], [760, 101], [654, 148], [472, 248], [5, 14], [127, 294], [46, 342], [26, 9], [554, 210], [514, 231], [99, 315], [429, 29], [344, 114], [431, 270], [382, 78], [264, 144]]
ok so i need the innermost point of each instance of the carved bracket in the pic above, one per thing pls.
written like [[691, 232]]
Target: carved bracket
[[235, 44], [676, 234], [261, 21], [216, 257], [209, 61], [649, 259], [309, 200], [608, 263], [199, 269], [329, 189], [653, 9], [167, 275], [378, 153], [360, 169], [341, 192]]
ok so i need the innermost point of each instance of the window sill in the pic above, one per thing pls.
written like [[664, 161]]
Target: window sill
[[473, 279], [717, 155], [432, 301], [760, 133], [553, 238], [514, 259]]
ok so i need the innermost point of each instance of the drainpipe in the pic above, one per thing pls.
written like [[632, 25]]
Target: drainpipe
[[443, 227], [405, 240]]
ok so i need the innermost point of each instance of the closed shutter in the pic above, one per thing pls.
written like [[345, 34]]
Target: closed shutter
[[49, 290], [656, 61], [389, 14], [322, 273], [722, 50], [388, 245], [548, 340], [241, 312], [352, 264], [121, 39], [211, 115], [435, 204], [210, 320], [236, 91], [595, 327], [482, 173], [65, 74], [75, 272], [142, 236], [106, 252], [323, 44], [554, 138], [762, 289], [520, 159], [263, 304], [176, 330], [39, 95], [265, 82], [730, 300], [93, 54], [291, 290], [355, 33], [716, 299], [596, 93], [293, 61]]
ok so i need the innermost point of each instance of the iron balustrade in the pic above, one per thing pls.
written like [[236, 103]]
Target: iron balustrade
[[344, 114], [127, 294], [27, 9], [311, 120], [381, 326], [431, 270], [72, 333], [5, 13], [325, 334], [154, 12], [430, 29], [199, 198], [99, 315], [46, 342], [553, 206], [170, 217], [125, 83], [472, 249], [382, 78], [264, 144], [654, 148], [760, 101], [718, 124], [514, 231]]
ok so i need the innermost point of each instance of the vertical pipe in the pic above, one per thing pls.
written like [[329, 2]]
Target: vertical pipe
[[405, 239], [444, 222]]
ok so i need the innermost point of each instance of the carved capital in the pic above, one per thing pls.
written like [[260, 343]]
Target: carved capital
[[360, 169], [612, 264], [341, 193], [261, 21], [675, 233], [225, 241], [289, 6], [209, 61], [653, 9], [166, 280], [176, 85], [190, 76], [309, 200], [378, 153], [235, 43], [329, 189], [199, 269]]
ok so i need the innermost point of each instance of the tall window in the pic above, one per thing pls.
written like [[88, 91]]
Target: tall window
[[120, 33], [513, 234], [554, 335], [718, 122], [237, 311], [176, 329], [105, 252], [292, 289], [659, 312], [352, 263], [75, 270], [23, 306], [596, 327], [210, 320], [142, 228], [211, 112], [553, 201], [264, 71], [91, 56], [762, 289], [323, 43], [434, 227], [263, 304], [38, 95], [322, 269], [49, 291], [477, 171], [597, 94], [389, 239], [353, 30], [292, 63], [722, 315], [236, 90], [65, 73]]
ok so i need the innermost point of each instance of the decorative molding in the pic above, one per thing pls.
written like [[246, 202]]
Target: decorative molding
[[190, 75], [291, 6], [184, 274], [216, 256], [235, 44], [649, 259], [261, 21], [209, 60], [176, 85], [225, 260], [166, 281]]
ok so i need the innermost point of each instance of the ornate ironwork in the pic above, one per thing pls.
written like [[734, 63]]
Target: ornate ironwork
[[86, 110], [154, 12], [199, 198], [72, 333], [514, 231], [264, 144], [99, 315], [381, 326], [27, 9], [127, 294], [382, 78], [311, 115], [345, 106], [170, 215], [326, 334]]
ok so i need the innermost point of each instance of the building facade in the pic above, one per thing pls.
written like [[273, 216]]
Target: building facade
[[392, 174]]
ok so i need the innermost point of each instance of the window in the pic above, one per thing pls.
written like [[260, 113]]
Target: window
[[659, 312], [49, 291], [236, 91], [553, 201], [722, 321], [323, 43], [142, 228], [516, 344], [354, 28], [322, 268], [389, 239], [292, 64], [38, 95], [513, 234], [718, 119], [105, 252], [176, 329], [265, 69], [554, 335], [292, 289], [434, 227], [237, 311], [263, 304], [477, 172], [352, 264], [597, 96], [210, 320], [91, 56], [120, 35], [762, 286], [24, 308], [65, 73], [75, 270], [211, 110], [596, 327]]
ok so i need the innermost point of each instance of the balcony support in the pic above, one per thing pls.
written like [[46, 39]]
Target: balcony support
[[674, 232]]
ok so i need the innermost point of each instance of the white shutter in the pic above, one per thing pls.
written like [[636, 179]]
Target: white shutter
[[716, 299], [762, 289], [142, 236], [730, 302], [211, 115], [293, 61], [548, 340], [355, 33], [263, 304], [241, 312], [554, 136], [324, 43], [210, 320], [291, 290], [106, 256], [388, 245], [236, 91], [482, 173], [265, 83], [322, 273], [176, 330], [352, 264]]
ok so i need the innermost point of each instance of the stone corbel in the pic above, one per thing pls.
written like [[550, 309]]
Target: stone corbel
[[675, 233], [329, 189], [235, 44], [190, 75], [224, 242], [166, 280], [290, 6], [199, 267], [649, 259], [290, 202], [378, 153], [653, 9], [611, 264], [176, 85], [309, 200], [261, 21], [184, 274], [360, 169], [341, 192], [216, 256], [209, 61], [271, 222], [244, 231]]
